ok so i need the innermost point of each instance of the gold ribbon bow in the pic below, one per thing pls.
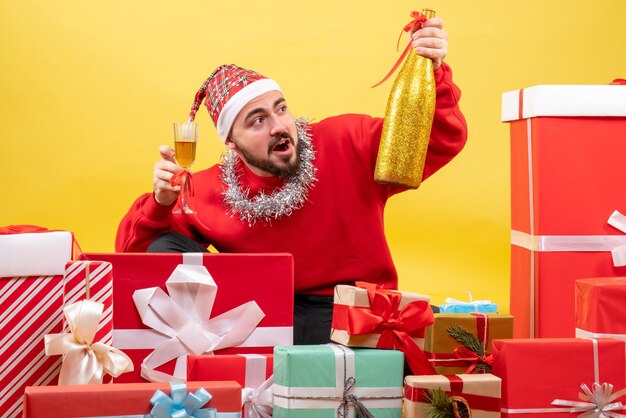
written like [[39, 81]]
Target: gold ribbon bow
[[597, 404], [84, 361]]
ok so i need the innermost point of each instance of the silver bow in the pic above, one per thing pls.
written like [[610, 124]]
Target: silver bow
[[596, 404]]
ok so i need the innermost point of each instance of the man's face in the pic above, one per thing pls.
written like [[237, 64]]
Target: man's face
[[264, 135]]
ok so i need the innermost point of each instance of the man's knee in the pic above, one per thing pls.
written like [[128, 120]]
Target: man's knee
[[172, 242]]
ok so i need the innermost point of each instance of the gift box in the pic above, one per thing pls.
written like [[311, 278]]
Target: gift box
[[368, 316], [559, 212], [600, 309], [536, 372], [132, 400], [447, 354], [479, 393], [326, 380], [260, 285], [249, 370], [453, 306], [252, 371], [31, 306]]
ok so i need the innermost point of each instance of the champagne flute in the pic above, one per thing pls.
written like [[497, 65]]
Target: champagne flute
[[185, 140]]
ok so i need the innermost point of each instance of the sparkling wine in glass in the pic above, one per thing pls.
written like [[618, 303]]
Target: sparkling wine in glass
[[185, 140]]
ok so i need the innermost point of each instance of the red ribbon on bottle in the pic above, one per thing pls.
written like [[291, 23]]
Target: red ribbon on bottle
[[618, 82], [396, 327], [412, 26], [478, 402]]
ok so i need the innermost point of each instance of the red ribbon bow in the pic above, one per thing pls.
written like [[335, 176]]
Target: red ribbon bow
[[412, 26], [21, 229], [180, 179], [396, 327], [466, 354]]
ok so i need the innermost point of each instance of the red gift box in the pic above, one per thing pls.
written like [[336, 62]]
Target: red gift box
[[130, 399], [251, 371], [266, 279], [535, 372], [567, 154], [600, 308], [31, 306]]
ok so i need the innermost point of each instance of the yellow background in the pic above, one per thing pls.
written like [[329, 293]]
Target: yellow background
[[90, 90]]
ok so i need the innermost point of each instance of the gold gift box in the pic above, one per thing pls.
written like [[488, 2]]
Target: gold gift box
[[440, 345], [479, 392]]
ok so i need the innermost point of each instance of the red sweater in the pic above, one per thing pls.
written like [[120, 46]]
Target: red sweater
[[338, 235]]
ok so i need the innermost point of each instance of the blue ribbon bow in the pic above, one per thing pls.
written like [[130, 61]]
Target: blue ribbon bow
[[181, 404]]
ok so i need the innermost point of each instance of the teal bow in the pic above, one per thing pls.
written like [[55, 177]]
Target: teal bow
[[181, 404]]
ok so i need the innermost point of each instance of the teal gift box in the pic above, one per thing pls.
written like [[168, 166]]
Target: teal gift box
[[328, 381]]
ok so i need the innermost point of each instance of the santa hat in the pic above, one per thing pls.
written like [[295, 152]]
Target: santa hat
[[227, 91]]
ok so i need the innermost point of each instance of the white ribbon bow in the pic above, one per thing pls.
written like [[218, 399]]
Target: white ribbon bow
[[470, 303], [85, 362], [258, 403], [618, 221], [183, 316], [597, 404]]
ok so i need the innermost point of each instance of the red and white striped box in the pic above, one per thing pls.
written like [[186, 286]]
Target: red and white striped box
[[31, 307], [91, 280]]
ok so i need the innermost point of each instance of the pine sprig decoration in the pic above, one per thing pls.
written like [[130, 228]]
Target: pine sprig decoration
[[441, 407], [444, 406], [469, 341], [466, 338]]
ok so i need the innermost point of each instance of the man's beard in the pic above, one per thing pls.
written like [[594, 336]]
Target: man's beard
[[284, 172]]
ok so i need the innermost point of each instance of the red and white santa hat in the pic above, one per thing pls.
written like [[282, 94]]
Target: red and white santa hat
[[227, 91]]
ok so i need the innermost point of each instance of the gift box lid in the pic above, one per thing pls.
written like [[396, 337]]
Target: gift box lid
[[35, 254], [564, 100]]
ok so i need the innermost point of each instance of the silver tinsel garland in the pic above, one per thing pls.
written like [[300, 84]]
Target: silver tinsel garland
[[281, 202]]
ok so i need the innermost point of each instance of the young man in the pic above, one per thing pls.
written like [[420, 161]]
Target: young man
[[285, 185]]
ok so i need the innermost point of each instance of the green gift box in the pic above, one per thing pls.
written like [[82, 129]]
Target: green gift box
[[328, 381]]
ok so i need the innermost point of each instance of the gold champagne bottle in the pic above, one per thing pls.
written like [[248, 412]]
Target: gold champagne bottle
[[408, 121]]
